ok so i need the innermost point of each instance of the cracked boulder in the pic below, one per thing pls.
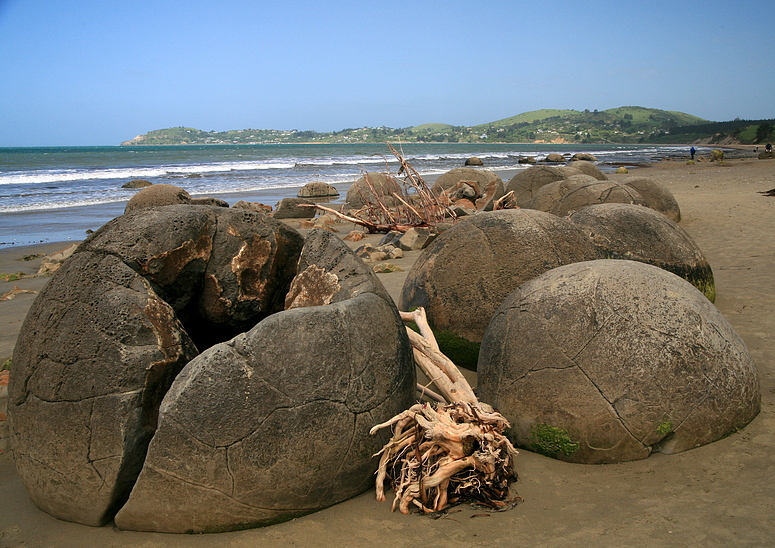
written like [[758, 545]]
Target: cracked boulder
[[465, 273], [112, 328], [274, 423], [609, 360], [527, 182], [579, 191], [626, 231]]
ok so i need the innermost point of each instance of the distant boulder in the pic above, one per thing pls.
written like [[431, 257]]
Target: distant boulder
[[583, 156], [372, 186], [137, 183], [526, 160], [474, 161], [317, 189], [554, 158], [158, 195]]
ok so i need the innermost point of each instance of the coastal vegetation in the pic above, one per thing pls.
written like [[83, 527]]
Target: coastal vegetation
[[630, 124]]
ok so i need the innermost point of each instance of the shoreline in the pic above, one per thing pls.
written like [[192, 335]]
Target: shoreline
[[714, 495]]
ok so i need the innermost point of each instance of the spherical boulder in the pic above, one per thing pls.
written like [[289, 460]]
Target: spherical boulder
[[474, 161], [464, 274], [274, 423], [554, 157], [656, 196], [371, 187], [160, 194], [606, 361], [637, 233], [588, 168], [317, 189], [527, 182], [578, 191]]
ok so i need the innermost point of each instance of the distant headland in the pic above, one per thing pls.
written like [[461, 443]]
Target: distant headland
[[618, 125]]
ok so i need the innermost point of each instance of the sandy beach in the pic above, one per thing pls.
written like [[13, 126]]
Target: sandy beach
[[721, 494]]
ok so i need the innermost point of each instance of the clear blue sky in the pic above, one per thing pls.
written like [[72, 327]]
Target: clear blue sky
[[97, 72]]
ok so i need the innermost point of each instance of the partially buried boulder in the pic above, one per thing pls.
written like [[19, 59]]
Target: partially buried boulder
[[137, 183], [275, 423], [317, 189], [637, 233], [606, 361], [464, 274], [158, 195]]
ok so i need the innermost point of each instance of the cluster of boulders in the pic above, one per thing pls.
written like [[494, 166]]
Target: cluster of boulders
[[194, 368]]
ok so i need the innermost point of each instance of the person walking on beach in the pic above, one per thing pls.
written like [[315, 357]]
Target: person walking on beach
[[692, 151], [768, 147]]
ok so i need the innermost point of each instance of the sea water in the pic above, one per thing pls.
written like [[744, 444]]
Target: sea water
[[50, 194]]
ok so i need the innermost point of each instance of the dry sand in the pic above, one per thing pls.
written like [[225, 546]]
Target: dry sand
[[722, 494]]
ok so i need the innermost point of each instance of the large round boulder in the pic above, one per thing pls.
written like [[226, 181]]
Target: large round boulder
[[295, 208], [371, 187], [527, 182], [578, 191], [626, 231], [606, 361], [135, 304], [464, 274], [275, 423], [588, 168], [158, 195], [655, 195]]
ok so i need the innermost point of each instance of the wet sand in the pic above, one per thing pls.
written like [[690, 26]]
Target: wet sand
[[721, 494]]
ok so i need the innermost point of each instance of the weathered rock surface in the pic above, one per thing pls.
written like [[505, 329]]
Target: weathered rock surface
[[160, 194], [606, 361], [655, 195], [137, 183], [294, 208], [464, 274], [478, 179], [578, 191], [637, 233], [317, 189], [274, 423], [588, 168], [527, 182], [370, 186], [104, 340]]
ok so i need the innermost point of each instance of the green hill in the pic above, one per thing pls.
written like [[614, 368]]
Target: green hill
[[629, 124]]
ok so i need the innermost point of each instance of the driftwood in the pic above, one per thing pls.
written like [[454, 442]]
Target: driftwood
[[442, 453], [418, 208]]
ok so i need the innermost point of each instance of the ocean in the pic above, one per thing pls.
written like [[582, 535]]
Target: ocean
[[52, 194]]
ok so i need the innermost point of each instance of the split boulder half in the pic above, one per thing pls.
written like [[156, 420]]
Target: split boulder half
[[606, 361], [464, 274], [268, 425]]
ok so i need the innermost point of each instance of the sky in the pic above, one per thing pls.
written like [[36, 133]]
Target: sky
[[98, 72]]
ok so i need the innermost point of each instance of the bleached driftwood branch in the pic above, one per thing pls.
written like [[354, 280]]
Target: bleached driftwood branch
[[443, 453]]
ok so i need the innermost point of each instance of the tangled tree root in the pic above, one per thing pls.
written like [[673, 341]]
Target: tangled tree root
[[444, 453]]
